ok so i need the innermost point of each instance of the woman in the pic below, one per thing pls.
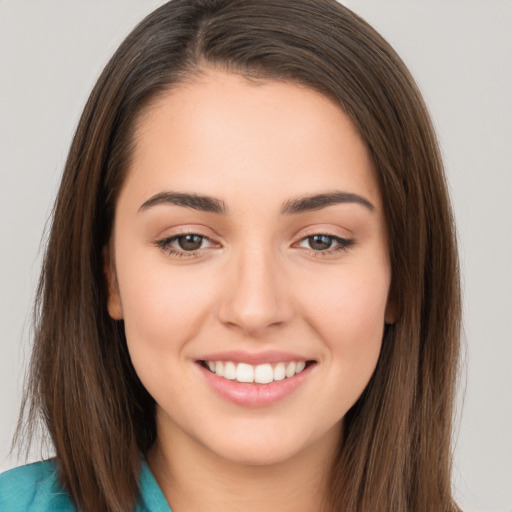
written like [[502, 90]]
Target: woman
[[260, 306]]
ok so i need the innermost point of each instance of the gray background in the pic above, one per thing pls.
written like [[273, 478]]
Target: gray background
[[460, 52]]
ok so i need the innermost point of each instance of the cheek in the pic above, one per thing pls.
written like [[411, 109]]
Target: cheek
[[354, 300], [348, 313], [163, 308]]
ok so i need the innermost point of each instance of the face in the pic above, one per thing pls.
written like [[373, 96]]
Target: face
[[249, 262]]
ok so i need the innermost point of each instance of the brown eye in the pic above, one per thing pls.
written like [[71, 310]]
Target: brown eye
[[187, 245], [325, 245], [190, 242], [320, 242]]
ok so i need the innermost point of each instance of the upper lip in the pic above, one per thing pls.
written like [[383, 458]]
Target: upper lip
[[254, 358]]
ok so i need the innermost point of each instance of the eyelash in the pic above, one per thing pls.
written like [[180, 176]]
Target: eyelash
[[165, 244], [341, 244]]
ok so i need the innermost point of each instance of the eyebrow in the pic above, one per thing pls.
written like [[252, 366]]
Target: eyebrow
[[194, 201], [319, 201], [290, 207]]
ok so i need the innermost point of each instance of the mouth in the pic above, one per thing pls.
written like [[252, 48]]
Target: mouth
[[256, 379], [258, 385], [246, 373]]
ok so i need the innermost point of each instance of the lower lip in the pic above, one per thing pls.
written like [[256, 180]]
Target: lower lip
[[254, 395]]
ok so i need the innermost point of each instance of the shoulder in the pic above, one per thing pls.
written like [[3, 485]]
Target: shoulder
[[34, 487]]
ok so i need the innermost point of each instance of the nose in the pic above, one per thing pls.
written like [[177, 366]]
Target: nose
[[255, 293]]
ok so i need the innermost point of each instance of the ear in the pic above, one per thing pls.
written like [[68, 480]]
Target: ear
[[114, 306]]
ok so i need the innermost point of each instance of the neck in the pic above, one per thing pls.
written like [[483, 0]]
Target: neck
[[193, 478]]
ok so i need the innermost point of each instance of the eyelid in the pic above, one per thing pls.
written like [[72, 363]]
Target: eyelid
[[166, 242], [339, 239], [325, 229], [342, 243]]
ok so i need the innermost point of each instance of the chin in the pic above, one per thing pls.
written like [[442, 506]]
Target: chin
[[267, 445], [260, 454]]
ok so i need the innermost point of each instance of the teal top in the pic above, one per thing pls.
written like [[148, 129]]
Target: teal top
[[36, 488]]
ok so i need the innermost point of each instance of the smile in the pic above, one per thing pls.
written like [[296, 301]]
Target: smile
[[270, 378], [259, 374]]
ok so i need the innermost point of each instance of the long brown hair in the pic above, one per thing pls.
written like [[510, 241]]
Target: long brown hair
[[395, 454]]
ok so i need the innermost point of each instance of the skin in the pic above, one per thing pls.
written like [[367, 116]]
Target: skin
[[255, 284]]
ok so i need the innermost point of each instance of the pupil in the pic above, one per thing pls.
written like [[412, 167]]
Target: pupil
[[320, 242], [190, 242]]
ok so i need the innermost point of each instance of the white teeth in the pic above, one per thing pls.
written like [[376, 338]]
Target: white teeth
[[230, 371], [261, 374], [290, 369], [279, 371], [219, 368], [244, 373]]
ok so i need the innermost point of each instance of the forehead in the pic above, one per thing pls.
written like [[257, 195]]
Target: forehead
[[220, 133]]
